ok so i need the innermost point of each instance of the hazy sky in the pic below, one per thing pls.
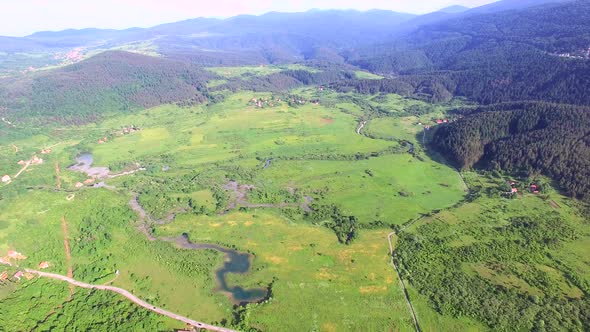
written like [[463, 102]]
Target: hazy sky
[[22, 17]]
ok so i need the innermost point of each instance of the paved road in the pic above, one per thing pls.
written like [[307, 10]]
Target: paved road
[[132, 298]]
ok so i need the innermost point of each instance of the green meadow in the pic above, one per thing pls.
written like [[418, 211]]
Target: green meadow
[[288, 154]]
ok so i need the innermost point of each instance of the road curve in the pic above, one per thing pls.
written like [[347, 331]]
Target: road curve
[[360, 127], [133, 298]]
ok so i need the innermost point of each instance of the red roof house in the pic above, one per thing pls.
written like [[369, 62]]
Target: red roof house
[[18, 275], [43, 265]]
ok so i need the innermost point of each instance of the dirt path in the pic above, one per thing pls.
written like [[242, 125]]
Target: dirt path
[[57, 175], [15, 148], [131, 297], [401, 281], [64, 228], [360, 127], [27, 164]]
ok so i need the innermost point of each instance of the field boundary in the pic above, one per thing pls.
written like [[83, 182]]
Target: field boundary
[[401, 281]]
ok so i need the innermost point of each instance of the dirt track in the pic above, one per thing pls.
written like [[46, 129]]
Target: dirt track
[[57, 175], [401, 281], [64, 228], [132, 298]]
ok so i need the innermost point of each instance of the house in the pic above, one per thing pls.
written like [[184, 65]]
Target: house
[[79, 185], [105, 139], [5, 179], [36, 161], [21, 162], [4, 276], [5, 261], [15, 255], [18, 275], [514, 190], [43, 265], [439, 121], [534, 189], [445, 121], [89, 181], [100, 141]]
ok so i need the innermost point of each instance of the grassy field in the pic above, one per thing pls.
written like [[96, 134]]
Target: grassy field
[[312, 273], [190, 154], [229, 72]]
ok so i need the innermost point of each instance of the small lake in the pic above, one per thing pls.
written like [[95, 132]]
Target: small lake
[[235, 262]]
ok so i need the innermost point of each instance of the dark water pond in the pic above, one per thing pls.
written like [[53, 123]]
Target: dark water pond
[[235, 262]]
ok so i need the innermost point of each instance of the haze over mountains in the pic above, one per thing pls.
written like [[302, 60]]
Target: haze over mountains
[[274, 36]]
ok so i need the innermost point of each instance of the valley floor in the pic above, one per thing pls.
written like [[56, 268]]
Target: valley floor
[[203, 174]]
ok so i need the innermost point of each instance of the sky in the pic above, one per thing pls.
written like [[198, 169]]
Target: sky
[[23, 17]]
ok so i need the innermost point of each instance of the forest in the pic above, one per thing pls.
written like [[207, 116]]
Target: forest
[[109, 82], [523, 138]]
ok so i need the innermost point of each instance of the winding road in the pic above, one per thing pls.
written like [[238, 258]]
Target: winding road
[[131, 297], [360, 127]]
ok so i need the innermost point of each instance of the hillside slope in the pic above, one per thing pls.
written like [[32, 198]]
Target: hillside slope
[[539, 53], [111, 81], [527, 138]]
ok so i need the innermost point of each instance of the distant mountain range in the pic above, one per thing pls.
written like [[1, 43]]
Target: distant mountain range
[[270, 38]]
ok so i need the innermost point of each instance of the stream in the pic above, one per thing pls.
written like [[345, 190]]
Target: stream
[[235, 261]]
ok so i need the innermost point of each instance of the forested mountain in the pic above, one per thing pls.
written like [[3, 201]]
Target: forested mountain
[[525, 137], [535, 54], [111, 81]]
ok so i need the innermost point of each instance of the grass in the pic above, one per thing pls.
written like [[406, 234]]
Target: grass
[[312, 273], [317, 283], [230, 72], [363, 75]]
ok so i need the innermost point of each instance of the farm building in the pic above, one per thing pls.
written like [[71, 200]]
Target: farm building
[[6, 179], [43, 265], [21, 162], [36, 161], [89, 181], [15, 255], [18, 275], [79, 185]]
